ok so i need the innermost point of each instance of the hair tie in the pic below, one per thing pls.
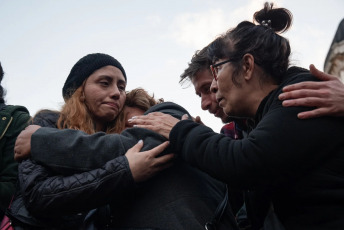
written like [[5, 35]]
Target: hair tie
[[266, 23]]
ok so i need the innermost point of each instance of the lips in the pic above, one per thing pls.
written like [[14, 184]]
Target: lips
[[217, 113], [219, 100], [113, 105]]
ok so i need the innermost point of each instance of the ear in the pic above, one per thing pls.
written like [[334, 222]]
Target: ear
[[82, 96], [248, 66]]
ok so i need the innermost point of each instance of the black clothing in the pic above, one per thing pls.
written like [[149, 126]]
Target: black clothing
[[180, 197], [13, 119], [300, 162]]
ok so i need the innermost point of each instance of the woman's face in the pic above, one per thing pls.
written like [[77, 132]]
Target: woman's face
[[104, 93], [229, 95]]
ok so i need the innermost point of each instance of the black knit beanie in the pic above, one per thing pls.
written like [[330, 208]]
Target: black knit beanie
[[84, 68]]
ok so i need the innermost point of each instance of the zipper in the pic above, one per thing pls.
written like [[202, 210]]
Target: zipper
[[3, 133]]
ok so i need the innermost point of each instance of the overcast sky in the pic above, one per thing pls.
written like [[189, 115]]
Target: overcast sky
[[153, 39]]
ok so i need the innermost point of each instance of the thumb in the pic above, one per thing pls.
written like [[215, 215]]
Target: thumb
[[137, 147], [198, 120], [319, 74], [185, 117]]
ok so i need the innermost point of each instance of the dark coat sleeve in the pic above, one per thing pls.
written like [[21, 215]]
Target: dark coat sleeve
[[45, 193], [89, 168], [72, 151], [280, 148]]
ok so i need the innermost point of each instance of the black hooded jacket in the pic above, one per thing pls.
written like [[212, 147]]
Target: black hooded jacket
[[301, 162]]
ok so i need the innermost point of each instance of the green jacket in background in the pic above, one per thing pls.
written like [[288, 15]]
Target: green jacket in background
[[13, 119]]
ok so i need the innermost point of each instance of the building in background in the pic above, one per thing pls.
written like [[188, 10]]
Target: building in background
[[334, 62]]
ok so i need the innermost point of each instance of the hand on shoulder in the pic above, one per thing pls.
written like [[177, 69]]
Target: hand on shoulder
[[327, 95]]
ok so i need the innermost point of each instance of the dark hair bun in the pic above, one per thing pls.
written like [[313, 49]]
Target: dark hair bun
[[279, 19]]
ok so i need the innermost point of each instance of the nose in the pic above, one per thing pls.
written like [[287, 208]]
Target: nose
[[213, 87], [205, 101], [115, 93]]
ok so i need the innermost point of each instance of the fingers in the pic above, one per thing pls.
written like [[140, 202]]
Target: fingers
[[158, 149], [17, 156], [157, 122], [137, 147], [150, 115], [32, 128], [298, 96], [145, 120], [185, 117], [144, 165], [162, 162], [310, 85], [306, 101], [320, 75], [312, 113], [22, 147]]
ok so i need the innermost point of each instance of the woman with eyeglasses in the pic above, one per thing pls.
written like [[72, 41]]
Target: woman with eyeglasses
[[298, 163]]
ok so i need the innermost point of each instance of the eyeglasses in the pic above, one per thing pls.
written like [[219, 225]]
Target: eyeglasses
[[214, 69]]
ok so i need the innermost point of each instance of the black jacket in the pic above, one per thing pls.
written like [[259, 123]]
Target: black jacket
[[300, 162], [94, 172], [13, 119]]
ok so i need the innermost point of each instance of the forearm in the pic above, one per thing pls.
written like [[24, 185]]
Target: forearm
[[274, 151], [46, 194], [70, 151]]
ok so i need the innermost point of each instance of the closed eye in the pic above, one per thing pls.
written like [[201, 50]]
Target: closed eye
[[104, 83], [205, 89], [121, 88]]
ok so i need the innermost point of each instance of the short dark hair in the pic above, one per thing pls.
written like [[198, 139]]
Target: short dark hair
[[1, 88], [199, 61], [270, 50]]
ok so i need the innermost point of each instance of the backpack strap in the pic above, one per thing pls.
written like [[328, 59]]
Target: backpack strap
[[212, 224]]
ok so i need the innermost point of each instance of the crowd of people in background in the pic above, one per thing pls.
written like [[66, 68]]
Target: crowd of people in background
[[118, 159]]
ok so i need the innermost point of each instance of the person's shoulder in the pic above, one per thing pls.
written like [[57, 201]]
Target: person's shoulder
[[298, 74], [170, 108], [14, 118], [14, 109], [46, 118]]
